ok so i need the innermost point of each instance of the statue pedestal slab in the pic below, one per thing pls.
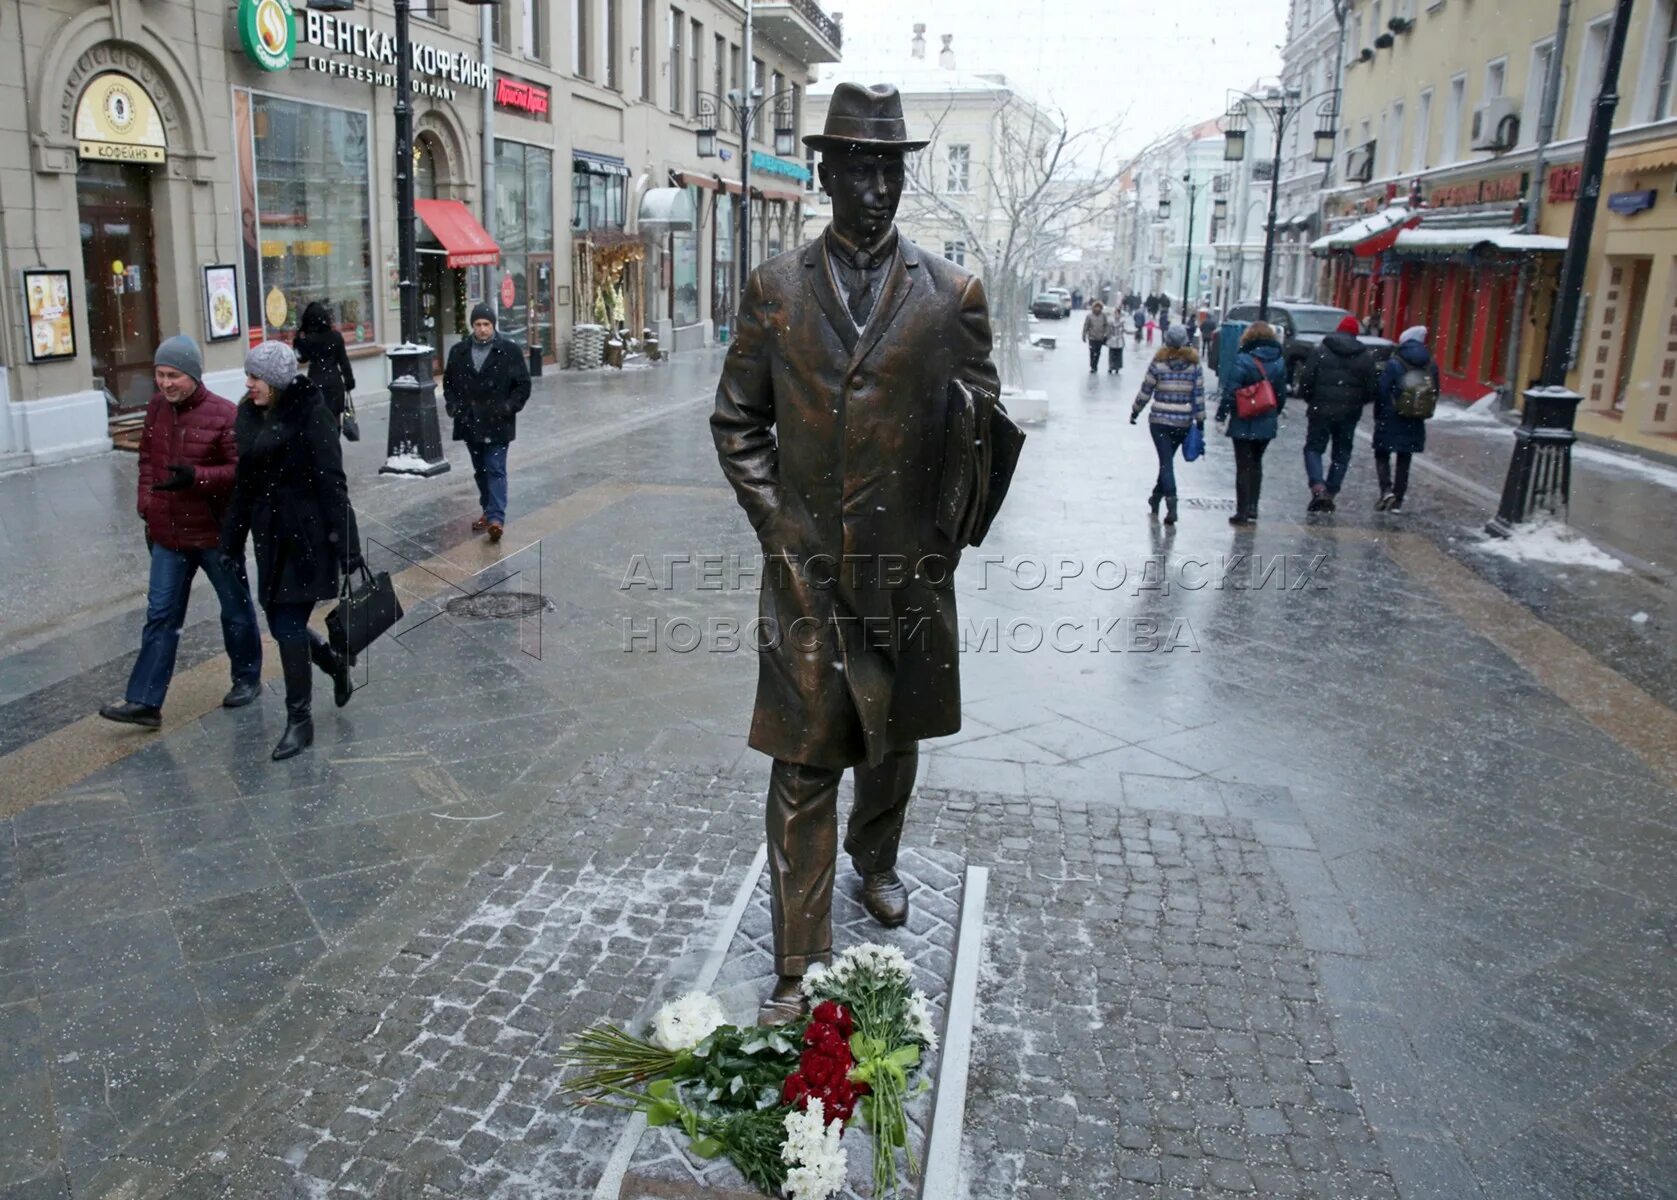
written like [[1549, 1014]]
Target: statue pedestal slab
[[942, 941]]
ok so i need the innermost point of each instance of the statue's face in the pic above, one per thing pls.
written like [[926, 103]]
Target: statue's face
[[865, 188]]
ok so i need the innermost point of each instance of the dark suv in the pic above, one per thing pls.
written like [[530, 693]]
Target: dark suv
[[1302, 328]]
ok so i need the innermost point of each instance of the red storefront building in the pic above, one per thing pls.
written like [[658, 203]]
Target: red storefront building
[[1447, 258]]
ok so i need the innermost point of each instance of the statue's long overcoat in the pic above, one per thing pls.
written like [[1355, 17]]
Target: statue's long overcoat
[[834, 442]]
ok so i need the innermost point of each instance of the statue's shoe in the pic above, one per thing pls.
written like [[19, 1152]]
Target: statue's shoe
[[785, 1004], [885, 897]]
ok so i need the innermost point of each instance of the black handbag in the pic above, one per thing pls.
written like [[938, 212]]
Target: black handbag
[[364, 612], [351, 427]]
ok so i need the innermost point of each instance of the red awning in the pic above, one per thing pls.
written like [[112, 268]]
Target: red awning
[[468, 243]]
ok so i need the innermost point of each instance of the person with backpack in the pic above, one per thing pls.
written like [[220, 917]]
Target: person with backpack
[[1175, 386], [1254, 392], [1338, 379], [1096, 326], [1408, 395]]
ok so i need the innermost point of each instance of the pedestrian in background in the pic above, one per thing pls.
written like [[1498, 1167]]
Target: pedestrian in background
[[187, 464], [1259, 359], [1139, 317], [1114, 346], [1337, 381], [1410, 380], [1096, 328], [320, 347], [1207, 330], [291, 498], [485, 386], [1175, 386], [1152, 327]]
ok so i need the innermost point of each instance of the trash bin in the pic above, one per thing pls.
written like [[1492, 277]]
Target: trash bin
[[536, 360]]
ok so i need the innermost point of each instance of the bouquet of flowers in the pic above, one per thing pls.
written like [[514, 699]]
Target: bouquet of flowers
[[777, 1100]]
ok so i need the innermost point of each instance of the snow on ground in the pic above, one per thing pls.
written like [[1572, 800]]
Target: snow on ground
[[1482, 410], [1630, 464], [1550, 542]]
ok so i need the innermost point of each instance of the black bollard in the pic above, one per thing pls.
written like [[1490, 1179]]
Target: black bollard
[[1540, 473]]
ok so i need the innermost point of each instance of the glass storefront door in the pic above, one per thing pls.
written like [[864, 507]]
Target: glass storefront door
[[114, 205]]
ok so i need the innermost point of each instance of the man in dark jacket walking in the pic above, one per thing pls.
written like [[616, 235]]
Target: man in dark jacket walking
[[187, 461], [1337, 381], [485, 386]]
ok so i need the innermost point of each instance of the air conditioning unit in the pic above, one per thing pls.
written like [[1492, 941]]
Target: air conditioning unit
[[1496, 125], [1359, 162]]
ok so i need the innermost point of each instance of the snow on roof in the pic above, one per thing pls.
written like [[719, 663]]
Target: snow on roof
[[1469, 236], [1361, 231], [915, 77]]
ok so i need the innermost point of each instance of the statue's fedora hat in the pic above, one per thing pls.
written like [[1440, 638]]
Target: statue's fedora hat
[[865, 118]]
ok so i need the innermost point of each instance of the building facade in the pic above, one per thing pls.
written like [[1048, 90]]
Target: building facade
[[1311, 62], [952, 204], [1167, 227], [211, 170], [1428, 224]]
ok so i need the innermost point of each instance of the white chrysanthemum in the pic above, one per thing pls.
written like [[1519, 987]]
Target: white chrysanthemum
[[815, 1153], [920, 1019], [876, 960], [684, 1023]]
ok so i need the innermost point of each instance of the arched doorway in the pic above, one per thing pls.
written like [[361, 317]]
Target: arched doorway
[[436, 316], [120, 142]]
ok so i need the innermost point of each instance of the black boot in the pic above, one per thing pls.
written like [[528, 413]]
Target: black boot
[[1170, 510], [299, 691], [335, 665], [1153, 501]]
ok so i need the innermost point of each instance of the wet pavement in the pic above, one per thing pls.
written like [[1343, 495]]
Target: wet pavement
[[1334, 858]]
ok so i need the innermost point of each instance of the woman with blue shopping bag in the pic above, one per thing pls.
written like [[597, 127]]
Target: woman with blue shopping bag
[[1175, 386]]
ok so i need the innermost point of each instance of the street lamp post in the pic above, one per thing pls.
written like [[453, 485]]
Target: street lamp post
[[1188, 249], [414, 445], [1280, 105], [739, 103]]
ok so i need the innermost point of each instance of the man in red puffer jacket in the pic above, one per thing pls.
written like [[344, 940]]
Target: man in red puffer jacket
[[187, 459]]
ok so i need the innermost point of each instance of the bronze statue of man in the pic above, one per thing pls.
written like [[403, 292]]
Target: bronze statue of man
[[832, 424]]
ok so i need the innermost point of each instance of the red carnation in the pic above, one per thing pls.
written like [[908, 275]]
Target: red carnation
[[795, 1091], [831, 1012]]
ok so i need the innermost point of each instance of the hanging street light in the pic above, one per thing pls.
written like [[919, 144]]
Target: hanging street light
[[1323, 152]]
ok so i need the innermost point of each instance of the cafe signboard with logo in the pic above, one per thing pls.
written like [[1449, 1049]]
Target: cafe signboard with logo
[[273, 34], [116, 121]]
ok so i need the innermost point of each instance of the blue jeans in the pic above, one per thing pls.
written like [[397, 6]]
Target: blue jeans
[[489, 468], [166, 599], [1167, 440], [1342, 430]]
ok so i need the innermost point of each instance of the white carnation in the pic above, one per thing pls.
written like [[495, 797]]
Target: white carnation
[[920, 1019], [815, 1153], [684, 1023]]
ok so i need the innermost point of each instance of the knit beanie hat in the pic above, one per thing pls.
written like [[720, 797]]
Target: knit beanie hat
[[274, 363], [482, 312], [1176, 336], [1415, 333], [182, 354], [1349, 325]]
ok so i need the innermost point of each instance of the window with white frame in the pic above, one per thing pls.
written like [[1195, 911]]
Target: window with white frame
[[1394, 139], [581, 56], [1537, 82], [1450, 150], [1496, 78], [958, 179], [1354, 43], [1592, 63], [1421, 147], [956, 252], [1664, 30], [1376, 26]]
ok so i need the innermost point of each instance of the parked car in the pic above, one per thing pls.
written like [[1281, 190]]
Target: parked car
[[1065, 300], [1047, 304], [1302, 328]]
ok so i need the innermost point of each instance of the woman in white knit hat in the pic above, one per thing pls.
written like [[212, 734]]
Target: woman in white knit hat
[[291, 498]]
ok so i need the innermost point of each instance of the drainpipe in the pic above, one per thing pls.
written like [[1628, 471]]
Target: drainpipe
[[486, 50], [1534, 205]]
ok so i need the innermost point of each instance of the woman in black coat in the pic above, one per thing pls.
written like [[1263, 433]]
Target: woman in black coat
[[290, 496], [320, 347]]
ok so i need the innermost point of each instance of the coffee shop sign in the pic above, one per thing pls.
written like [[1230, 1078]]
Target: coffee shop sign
[[270, 31]]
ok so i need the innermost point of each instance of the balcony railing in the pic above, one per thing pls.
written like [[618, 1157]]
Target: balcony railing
[[811, 12]]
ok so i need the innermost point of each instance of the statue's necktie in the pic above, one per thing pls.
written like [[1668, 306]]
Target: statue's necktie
[[860, 291]]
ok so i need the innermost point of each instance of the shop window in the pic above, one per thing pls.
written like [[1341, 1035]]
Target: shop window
[[524, 228], [1461, 323], [684, 283], [312, 212], [597, 201]]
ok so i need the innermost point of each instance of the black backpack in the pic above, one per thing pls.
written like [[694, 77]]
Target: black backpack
[[1416, 395]]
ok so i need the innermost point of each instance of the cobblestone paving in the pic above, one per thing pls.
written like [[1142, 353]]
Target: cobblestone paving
[[1150, 1021]]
